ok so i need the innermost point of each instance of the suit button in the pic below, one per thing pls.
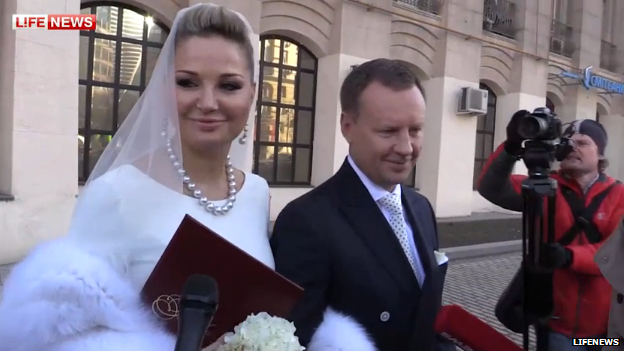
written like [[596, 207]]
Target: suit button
[[619, 298], [384, 316]]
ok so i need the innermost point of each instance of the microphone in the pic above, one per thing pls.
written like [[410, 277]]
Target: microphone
[[469, 332], [198, 303]]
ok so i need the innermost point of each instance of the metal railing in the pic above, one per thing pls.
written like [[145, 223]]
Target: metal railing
[[431, 6], [608, 56], [499, 17], [561, 40]]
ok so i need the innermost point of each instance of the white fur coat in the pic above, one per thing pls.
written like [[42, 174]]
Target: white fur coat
[[62, 298]]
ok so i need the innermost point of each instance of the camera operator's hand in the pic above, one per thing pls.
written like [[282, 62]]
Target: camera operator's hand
[[556, 256], [513, 144]]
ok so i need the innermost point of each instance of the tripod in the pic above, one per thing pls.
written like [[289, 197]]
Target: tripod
[[537, 303]]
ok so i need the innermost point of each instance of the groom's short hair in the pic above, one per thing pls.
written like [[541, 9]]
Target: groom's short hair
[[392, 74]]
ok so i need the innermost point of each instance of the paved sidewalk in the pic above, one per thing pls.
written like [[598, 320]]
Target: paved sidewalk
[[475, 284]]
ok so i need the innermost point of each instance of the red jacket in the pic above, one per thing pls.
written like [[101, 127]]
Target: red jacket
[[582, 296]]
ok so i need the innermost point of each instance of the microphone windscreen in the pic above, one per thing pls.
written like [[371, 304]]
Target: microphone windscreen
[[200, 288], [471, 331]]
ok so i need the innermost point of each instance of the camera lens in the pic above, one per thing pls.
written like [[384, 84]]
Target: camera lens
[[531, 127]]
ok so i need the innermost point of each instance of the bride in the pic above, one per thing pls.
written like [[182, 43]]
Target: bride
[[175, 154]]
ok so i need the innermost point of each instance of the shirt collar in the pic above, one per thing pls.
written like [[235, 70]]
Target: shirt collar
[[586, 189], [376, 192], [590, 184]]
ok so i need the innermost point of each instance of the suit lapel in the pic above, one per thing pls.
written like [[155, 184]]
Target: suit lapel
[[430, 298], [372, 227], [423, 245]]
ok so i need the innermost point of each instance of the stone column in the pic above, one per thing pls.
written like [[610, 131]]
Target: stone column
[[346, 49], [585, 17], [528, 81], [614, 124], [618, 40], [586, 21], [39, 120], [444, 172], [578, 103]]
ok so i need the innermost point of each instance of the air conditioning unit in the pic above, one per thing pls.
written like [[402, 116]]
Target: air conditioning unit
[[556, 45], [472, 101]]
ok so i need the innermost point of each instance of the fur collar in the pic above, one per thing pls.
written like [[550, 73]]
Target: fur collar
[[63, 298]]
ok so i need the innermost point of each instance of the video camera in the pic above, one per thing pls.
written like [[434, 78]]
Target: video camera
[[544, 141], [528, 300]]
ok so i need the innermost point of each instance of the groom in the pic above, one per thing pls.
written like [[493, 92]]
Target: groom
[[361, 244]]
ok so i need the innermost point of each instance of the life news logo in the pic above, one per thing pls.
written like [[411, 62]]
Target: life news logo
[[55, 22]]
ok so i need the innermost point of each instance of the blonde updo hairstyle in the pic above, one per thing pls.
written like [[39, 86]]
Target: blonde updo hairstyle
[[212, 20]]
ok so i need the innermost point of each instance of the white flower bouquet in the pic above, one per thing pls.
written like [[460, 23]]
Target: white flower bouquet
[[262, 332]]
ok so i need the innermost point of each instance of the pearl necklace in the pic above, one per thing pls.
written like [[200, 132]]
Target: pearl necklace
[[209, 206]]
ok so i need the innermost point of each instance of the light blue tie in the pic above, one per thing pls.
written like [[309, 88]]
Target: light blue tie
[[392, 203]]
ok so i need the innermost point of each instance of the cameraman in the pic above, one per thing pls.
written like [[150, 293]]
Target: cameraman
[[581, 294]]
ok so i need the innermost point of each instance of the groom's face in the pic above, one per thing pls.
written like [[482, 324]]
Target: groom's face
[[385, 137]]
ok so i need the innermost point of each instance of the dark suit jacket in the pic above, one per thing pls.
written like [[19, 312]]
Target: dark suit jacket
[[335, 243]]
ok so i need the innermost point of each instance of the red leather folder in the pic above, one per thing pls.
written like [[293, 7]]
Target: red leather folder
[[246, 285]]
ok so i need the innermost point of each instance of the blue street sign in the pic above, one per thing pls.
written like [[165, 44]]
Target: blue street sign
[[590, 80]]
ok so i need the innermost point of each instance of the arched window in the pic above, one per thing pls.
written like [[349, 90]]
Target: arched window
[[550, 105], [597, 117], [285, 112], [485, 135], [116, 62]]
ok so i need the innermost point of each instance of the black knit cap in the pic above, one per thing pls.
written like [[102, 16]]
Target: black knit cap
[[592, 129]]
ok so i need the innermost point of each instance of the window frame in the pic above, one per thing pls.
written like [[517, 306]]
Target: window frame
[[551, 106], [560, 11], [257, 143], [89, 83], [608, 23], [479, 159]]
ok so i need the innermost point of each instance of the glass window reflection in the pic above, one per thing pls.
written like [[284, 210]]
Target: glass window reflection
[[127, 100], [82, 105], [155, 34], [150, 61], [102, 108], [272, 50], [289, 77], [97, 144], [116, 63], [107, 18], [130, 64], [132, 25], [287, 125], [104, 60], [285, 116], [84, 55], [267, 122]]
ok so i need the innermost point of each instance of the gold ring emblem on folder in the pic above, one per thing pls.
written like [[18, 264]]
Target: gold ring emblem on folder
[[166, 307]]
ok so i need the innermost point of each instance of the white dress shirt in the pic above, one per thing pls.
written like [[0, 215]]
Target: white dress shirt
[[377, 193]]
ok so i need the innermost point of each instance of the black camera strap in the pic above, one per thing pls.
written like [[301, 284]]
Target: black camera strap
[[584, 215]]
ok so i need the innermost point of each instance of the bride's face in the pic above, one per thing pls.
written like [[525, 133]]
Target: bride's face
[[214, 91]]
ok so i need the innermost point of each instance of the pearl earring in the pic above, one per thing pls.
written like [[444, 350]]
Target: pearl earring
[[243, 138]]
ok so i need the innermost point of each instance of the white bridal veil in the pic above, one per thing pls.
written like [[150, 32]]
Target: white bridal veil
[[101, 219], [151, 128]]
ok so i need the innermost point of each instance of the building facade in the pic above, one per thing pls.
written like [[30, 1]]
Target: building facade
[[63, 94]]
